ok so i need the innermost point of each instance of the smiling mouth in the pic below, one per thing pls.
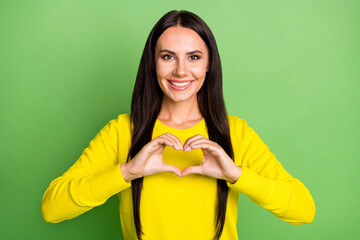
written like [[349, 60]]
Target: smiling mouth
[[180, 84]]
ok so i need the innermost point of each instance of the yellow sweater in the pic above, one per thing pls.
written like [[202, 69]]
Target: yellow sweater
[[173, 207]]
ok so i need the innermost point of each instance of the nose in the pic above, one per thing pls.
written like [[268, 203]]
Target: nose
[[180, 68]]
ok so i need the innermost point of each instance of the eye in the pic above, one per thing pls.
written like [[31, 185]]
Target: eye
[[194, 57], [167, 57]]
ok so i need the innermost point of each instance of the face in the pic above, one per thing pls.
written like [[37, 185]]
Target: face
[[181, 59]]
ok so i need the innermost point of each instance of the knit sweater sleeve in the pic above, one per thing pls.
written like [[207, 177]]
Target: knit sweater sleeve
[[94, 178], [266, 182]]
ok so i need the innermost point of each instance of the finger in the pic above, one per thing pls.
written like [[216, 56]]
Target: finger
[[197, 136], [204, 144], [191, 139], [191, 170], [165, 139], [171, 168], [161, 141], [176, 144], [210, 147], [176, 139], [202, 141]]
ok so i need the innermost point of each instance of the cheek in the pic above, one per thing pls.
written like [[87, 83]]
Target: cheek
[[199, 71], [162, 70]]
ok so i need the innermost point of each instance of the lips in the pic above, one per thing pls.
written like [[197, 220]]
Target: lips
[[180, 85]]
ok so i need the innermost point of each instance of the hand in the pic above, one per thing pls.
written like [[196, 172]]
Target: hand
[[216, 163], [149, 160]]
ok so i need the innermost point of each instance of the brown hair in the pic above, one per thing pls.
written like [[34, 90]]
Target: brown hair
[[146, 103]]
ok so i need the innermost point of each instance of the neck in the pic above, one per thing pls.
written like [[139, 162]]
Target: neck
[[179, 112]]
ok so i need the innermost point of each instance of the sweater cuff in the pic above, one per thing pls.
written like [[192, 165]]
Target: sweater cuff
[[109, 183]]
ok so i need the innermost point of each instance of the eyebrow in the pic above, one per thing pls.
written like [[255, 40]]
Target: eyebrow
[[192, 52]]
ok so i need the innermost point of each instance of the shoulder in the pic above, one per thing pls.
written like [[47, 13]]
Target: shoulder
[[236, 124], [120, 119], [120, 122], [121, 125], [242, 132], [123, 118], [239, 129]]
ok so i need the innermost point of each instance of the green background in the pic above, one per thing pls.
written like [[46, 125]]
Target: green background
[[291, 69]]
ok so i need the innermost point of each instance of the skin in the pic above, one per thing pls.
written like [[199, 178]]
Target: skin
[[181, 55], [179, 107]]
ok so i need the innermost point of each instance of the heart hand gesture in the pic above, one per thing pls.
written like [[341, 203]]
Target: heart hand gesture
[[216, 163], [149, 160]]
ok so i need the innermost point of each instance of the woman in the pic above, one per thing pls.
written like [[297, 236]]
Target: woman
[[177, 161]]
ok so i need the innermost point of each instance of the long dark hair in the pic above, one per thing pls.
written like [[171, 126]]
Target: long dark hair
[[146, 103]]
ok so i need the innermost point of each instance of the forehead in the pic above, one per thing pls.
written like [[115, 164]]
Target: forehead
[[178, 38]]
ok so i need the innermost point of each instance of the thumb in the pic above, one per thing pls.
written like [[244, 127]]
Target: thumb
[[172, 168], [191, 170]]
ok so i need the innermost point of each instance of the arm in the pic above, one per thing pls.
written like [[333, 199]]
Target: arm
[[267, 183], [94, 178]]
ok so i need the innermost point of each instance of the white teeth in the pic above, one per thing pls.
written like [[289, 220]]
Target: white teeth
[[180, 84]]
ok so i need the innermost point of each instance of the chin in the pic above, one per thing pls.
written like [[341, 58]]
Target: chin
[[179, 98]]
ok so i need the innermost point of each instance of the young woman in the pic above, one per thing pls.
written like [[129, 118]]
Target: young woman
[[178, 162]]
